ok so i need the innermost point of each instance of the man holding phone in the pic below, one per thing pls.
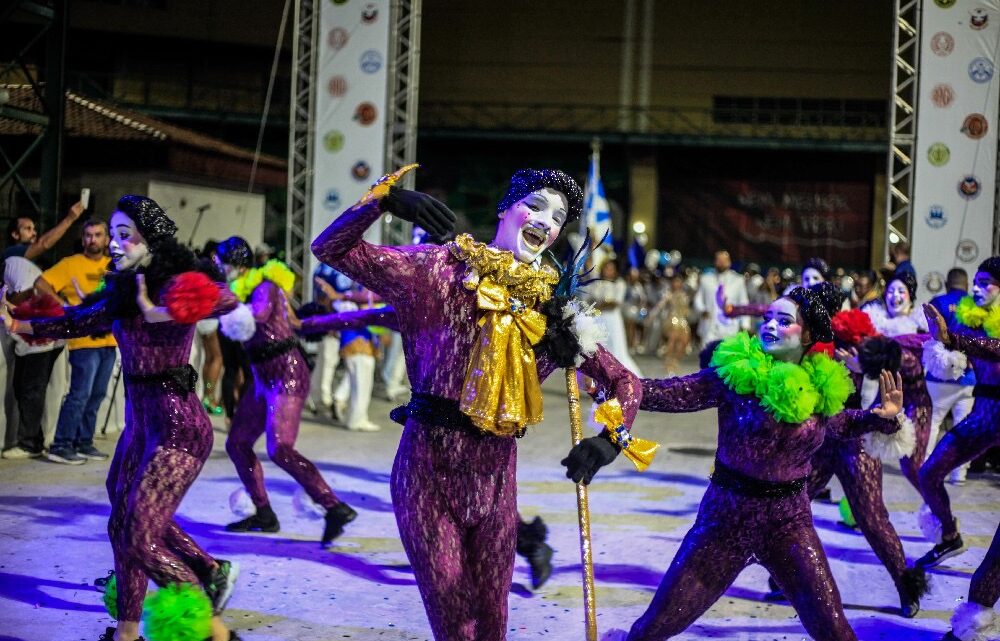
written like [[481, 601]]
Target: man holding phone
[[23, 239]]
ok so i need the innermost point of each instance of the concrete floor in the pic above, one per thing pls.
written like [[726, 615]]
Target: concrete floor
[[53, 528]]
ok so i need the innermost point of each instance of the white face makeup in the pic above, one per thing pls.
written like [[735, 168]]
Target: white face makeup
[[781, 333], [530, 226], [231, 273], [128, 248], [897, 299], [811, 277], [985, 290]]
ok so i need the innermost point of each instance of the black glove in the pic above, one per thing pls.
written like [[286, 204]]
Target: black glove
[[588, 456], [420, 209]]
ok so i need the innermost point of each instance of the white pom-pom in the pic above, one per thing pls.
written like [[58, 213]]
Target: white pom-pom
[[306, 507], [892, 447], [929, 524], [615, 634], [238, 325], [943, 363], [974, 622], [241, 504]]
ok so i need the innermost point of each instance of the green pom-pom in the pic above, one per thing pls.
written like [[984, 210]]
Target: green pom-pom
[[177, 612], [831, 379], [845, 513], [790, 395], [742, 364], [111, 597]]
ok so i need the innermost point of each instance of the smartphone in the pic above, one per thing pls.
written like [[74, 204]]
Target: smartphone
[[85, 197]]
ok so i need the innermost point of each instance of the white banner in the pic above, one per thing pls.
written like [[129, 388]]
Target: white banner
[[956, 150], [349, 143]]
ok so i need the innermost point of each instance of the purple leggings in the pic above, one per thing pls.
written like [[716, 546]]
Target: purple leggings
[[730, 533], [269, 409], [147, 480], [455, 498], [861, 477]]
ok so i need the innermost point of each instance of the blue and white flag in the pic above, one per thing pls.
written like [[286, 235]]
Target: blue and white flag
[[596, 213]]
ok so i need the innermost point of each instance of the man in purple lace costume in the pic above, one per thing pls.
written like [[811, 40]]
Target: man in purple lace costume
[[273, 404], [756, 508], [453, 487], [967, 440], [168, 436]]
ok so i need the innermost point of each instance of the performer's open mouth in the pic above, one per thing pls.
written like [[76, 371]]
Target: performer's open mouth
[[116, 257], [767, 337], [533, 237]]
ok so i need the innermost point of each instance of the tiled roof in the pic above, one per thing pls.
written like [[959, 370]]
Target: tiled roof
[[89, 118]]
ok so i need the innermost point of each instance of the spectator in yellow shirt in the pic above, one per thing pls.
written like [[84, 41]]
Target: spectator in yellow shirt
[[91, 358]]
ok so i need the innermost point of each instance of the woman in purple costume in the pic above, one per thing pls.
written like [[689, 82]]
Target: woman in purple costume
[[975, 333], [168, 436], [273, 404], [756, 508], [453, 482]]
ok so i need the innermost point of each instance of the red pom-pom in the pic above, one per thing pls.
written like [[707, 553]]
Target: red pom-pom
[[40, 306], [190, 297], [822, 348], [851, 326]]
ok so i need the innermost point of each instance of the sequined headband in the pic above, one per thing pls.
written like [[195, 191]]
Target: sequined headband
[[526, 181], [150, 219]]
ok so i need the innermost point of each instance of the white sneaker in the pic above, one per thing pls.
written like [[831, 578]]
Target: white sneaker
[[18, 453], [957, 476], [365, 426]]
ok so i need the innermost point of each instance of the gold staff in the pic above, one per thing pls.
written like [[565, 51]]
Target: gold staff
[[583, 511]]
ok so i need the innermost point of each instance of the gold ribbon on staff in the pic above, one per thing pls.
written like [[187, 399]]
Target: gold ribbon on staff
[[638, 450], [502, 393]]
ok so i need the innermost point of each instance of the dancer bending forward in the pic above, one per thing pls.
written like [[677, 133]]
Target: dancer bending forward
[[273, 403], [777, 400]]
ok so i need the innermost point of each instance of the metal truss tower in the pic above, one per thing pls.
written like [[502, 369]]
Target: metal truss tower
[[300, 141], [401, 110], [401, 122], [903, 121]]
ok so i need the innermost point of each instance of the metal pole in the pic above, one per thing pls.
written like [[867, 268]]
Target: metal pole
[[583, 512]]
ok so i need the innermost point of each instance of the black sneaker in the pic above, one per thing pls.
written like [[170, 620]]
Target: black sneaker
[[91, 453], [950, 637], [336, 518], [941, 552], [65, 456], [109, 635], [540, 561], [220, 584], [265, 520]]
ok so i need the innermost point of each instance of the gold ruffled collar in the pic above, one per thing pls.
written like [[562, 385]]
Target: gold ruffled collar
[[525, 282]]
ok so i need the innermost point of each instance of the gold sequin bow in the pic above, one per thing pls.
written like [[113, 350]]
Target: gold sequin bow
[[501, 393], [638, 450]]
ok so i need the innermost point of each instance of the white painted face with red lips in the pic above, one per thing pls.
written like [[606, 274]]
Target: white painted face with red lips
[[985, 289], [127, 247], [781, 333], [530, 226]]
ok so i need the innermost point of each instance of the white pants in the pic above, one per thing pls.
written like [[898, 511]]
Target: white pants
[[945, 398], [327, 359], [394, 366], [355, 390]]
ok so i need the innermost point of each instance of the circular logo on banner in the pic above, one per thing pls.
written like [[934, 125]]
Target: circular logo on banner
[[361, 170], [975, 126], [979, 18], [969, 187], [945, 4], [337, 86], [967, 250], [333, 141], [371, 61], [337, 38], [938, 154], [365, 114], [942, 95], [935, 217], [942, 44], [934, 282], [369, 14], [331, 202], [981, 70]]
